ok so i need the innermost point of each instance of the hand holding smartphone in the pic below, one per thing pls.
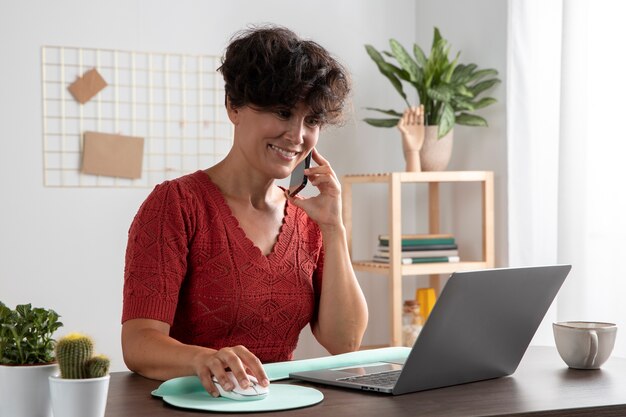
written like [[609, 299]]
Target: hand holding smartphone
[[298, 180]]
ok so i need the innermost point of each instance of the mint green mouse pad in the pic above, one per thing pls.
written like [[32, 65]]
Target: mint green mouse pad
[[280, 397], [188, 392]]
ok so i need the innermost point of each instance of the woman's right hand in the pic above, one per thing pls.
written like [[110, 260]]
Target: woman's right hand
[[238, 359], [150, 351]]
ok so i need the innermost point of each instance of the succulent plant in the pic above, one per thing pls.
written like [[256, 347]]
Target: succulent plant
[[26, 335], [74, 352]]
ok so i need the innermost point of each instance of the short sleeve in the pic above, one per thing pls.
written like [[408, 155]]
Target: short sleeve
[[156, 254]]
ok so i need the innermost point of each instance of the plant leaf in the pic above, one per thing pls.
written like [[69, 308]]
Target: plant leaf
[[405, 60], [400, 73], [436, 37], [462, 73], [389, 112], [23, 310], [462, 105], [471, 120], [387, 70], [483, 85], [462, 92], [484, 102], [382, 122], [447, 120], [447, 75], [482, 74], [420, 57], [441, 92]]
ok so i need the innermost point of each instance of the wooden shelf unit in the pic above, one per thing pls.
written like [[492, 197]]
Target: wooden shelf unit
[[395, 270]]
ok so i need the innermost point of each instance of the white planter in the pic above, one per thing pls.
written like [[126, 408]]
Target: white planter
[[24, 390], [79, 397]]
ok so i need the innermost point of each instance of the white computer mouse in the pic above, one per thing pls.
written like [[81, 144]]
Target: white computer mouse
[[252, 393]]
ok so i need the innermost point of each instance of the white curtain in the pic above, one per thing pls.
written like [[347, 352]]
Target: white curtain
[[567, 152]]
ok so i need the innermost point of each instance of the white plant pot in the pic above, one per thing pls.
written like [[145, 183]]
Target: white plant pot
[[24, 390], [79, 397]]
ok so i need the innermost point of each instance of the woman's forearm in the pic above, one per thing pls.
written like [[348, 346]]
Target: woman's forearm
[[342, 316], [153, 354]]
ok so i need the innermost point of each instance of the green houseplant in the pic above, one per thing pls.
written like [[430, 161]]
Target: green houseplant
[[448, 90], [27, 347], [82, 387], [26, 335]]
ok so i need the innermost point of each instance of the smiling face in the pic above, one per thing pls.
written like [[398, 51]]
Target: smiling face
[[273, 141]]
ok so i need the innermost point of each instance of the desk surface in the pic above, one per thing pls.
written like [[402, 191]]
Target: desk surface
[[542, 385]]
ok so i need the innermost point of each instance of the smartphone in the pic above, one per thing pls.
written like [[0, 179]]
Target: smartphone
[[298, 179]]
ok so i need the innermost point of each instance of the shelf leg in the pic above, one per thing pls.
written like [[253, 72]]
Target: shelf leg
[[488, 221], [433, 207], [395, 235], [433, 227]]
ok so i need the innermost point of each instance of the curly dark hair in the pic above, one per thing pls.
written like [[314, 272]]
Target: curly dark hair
[[271, 66]]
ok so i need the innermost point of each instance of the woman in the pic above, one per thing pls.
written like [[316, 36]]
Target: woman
[[223, 268]]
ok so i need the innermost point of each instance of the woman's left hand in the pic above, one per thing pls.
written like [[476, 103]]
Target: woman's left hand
[[342, 313], [325, 208]]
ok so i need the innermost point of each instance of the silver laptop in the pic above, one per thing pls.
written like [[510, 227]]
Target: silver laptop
[[479, 329]]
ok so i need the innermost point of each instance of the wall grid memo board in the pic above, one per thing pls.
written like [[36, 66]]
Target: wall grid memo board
[[174, 101]]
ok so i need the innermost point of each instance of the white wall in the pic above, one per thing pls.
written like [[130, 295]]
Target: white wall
[[64, 248]]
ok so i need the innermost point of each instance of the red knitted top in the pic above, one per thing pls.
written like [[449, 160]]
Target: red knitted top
[[189, 264]]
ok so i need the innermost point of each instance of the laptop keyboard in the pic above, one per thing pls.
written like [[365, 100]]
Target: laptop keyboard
[[381, 379]]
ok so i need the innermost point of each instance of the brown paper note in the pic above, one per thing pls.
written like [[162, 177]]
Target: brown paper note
[[112, 155], [87, 86]]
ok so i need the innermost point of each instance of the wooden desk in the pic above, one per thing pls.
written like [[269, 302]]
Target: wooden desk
[[541, 386]]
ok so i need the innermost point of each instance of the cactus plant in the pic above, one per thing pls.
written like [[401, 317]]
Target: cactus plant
[[98, 366], [74, 352]]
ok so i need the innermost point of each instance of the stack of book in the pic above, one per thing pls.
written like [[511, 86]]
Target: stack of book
[[420, 249]]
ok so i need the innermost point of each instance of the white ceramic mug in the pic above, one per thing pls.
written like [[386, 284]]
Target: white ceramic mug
[[584, 344]]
